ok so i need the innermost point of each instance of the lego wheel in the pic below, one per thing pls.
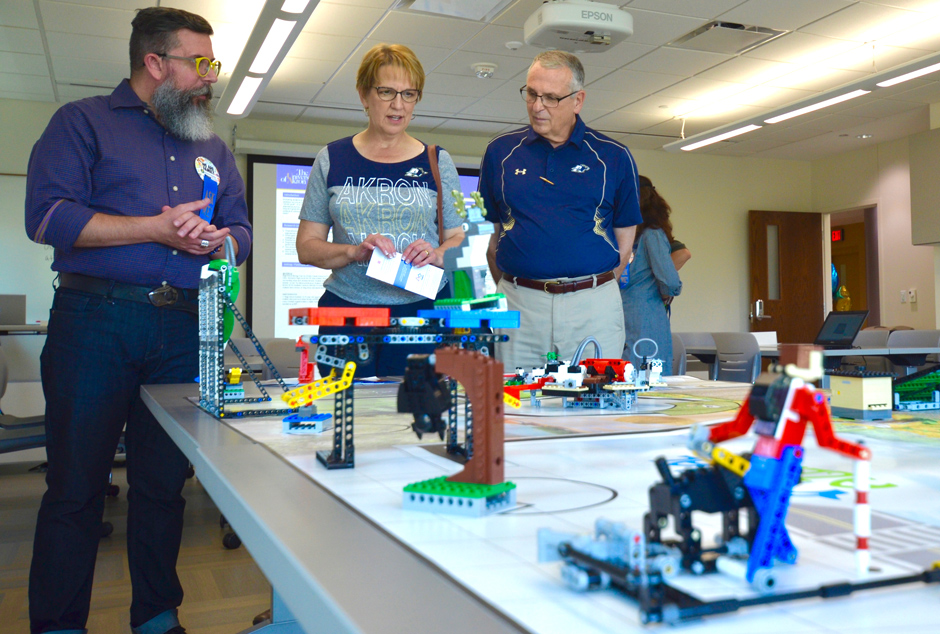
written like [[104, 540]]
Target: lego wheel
[[231, 541], [112, 491], [106, 529], [190, 472]]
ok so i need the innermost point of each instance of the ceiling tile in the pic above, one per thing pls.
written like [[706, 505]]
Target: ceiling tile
[[215, 11], [703, 89], [75, 70], [493, 38], [24, 83], [789, 15], [609, 99], [321, 115], [693, 8], [28, 96], [642, 141], [801, 48], [770, 96], [878, 108], [460, 64], [71, 93], [927, 93], [622, 121], [334, 48], [430, 56], [441, 83], [873, 59], [863, 22], [496, 109], [634, 81], [356, 21], [924, 35], [376, 4], [86, 20], [340, 90], [651, 27], [24, 64], [467, 127], [310, 71], [515, 15], [428, 30], [18, 13], [88, 47], [446, 104], [911, 5], [21, 41], [817, 78], [275, 111], [748, 70], [677, 61], [292, 92]]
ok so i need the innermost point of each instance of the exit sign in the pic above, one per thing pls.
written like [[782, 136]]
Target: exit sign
[[838, 235]]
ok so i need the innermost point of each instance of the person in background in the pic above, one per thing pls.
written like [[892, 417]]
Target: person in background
[[376, 190], [653, 276], [117, 184], [563, 199]]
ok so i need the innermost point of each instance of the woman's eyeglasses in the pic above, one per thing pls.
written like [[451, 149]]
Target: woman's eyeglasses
[[388, 94]]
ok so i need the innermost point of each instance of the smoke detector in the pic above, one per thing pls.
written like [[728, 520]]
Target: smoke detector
[[484, 70]]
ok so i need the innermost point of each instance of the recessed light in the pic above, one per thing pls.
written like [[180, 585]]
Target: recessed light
[[864, 136]]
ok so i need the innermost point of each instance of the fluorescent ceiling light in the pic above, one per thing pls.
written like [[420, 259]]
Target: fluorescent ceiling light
[[278, 34], [244, 95], [720, 137], [912, 75], [294, 6], [817, 106]]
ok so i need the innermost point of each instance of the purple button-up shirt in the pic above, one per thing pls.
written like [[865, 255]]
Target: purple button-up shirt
[[110, 155]]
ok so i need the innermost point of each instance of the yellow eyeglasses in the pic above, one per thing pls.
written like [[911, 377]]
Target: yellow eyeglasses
[[203, 64]]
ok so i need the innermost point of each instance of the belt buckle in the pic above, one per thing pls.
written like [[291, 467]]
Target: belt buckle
[[166, 295], [545, 287]]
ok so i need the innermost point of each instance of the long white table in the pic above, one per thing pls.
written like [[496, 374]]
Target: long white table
[[335, 571], [345, 557]]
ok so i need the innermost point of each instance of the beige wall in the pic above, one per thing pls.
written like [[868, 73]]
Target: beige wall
[[880, 176]]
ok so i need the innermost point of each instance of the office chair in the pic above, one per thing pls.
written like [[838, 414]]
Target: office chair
[[738, 356], [18, 433]]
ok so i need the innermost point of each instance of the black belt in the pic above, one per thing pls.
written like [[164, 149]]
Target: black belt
[[556, 288], [165, 296]]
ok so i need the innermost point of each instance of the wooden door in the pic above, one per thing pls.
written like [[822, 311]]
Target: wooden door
[[786, 274]]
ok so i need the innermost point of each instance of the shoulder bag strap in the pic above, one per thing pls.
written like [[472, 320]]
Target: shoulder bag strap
[[432, 158]]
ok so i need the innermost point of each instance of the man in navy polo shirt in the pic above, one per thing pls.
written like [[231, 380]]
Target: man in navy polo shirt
[[566, 208], [136, 193]]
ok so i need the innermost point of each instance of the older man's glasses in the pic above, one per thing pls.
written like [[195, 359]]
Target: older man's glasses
[[203, 64], [549, 101], [388, 94]]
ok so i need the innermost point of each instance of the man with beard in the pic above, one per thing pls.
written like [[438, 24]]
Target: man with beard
[[136, 194]]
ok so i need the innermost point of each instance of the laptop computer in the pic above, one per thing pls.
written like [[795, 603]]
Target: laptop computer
[[840, 328], [12, 310]]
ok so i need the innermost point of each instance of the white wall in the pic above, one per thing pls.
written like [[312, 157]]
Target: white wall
[[710, 197], [880, 175]]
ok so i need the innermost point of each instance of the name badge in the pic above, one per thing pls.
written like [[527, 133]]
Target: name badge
[[210, 185]]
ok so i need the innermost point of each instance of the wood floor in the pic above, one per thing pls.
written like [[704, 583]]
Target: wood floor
[[224, 588]]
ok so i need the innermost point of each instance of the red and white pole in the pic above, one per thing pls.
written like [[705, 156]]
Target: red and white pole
[[862, 484]]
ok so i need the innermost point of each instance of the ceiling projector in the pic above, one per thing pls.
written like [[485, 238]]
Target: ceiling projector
[[577, 26]]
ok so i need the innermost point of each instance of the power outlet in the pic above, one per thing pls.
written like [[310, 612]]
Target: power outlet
[[903, 297], [912, 295]]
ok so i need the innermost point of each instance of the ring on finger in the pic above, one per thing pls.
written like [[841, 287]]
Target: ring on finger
[[426, 252], [204, 244]]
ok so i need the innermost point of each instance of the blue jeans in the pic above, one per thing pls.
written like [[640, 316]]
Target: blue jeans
[[97, 355]]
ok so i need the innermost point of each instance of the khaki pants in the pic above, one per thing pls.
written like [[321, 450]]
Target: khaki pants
[[559, 323]]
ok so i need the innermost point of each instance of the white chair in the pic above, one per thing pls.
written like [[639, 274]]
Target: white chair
[[738, 356], [900, 339]]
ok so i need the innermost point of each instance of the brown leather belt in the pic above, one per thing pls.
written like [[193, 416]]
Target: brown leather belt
[[556, 288]]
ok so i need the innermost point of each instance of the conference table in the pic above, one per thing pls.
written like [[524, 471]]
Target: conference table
[[343, 556], [23, 329]]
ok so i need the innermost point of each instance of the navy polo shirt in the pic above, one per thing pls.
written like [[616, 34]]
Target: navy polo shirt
[[558, 206]]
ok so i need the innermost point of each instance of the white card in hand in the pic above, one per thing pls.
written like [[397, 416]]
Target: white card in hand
[[422, 281]]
